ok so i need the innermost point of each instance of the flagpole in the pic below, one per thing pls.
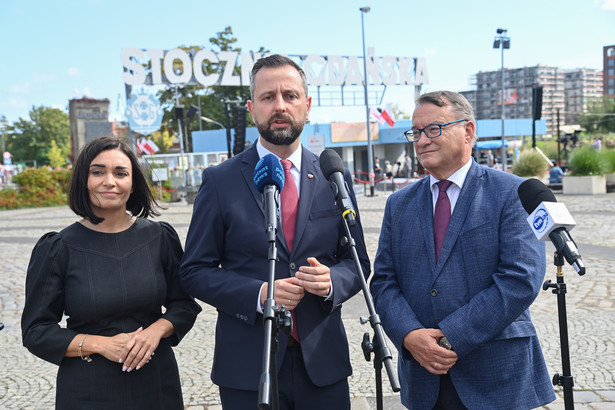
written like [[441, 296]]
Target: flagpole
[[370, 158]]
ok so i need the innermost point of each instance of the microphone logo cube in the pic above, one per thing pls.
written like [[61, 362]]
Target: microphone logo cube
[[540, 220], [549, 216]]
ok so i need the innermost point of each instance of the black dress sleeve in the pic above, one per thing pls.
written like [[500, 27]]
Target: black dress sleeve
[[181, 309], [42, 334]]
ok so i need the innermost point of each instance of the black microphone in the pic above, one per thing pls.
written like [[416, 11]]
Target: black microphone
[[269, 181], [551, 219], [333, 168]]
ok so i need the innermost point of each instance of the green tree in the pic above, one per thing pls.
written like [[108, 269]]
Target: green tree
[[55, 156], [32, 139], [600, 116], [211, 98]]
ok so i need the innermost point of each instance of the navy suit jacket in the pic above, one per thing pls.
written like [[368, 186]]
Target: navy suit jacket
[[490, 270], [226, 262]]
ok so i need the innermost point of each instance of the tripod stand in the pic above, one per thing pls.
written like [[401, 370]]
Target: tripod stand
[[559, 289]]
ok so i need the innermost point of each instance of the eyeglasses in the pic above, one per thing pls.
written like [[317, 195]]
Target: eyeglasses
[[431, 131]]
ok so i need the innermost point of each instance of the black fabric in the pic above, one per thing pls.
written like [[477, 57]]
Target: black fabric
[[107, 284]]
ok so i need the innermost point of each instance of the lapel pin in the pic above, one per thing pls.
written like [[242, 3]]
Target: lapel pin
[[310, 176]]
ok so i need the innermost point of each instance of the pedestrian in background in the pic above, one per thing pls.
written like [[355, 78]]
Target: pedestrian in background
[[110, 274]]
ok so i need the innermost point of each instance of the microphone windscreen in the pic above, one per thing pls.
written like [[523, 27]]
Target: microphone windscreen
[[532, 193], [330, 162], [268, 171]]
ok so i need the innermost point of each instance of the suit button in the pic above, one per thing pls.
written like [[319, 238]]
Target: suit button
[[434, 292], [292, 265]]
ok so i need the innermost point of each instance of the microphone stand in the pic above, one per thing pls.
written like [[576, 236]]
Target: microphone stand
[[559, 288], [274, 318], [378, 344]]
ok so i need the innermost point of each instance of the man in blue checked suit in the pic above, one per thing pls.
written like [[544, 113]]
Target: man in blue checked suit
[[472, 284]]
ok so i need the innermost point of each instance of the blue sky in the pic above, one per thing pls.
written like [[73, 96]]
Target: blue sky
[[55, 51]]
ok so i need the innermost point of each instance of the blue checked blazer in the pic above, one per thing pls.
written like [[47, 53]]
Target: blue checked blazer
[[490, 271]]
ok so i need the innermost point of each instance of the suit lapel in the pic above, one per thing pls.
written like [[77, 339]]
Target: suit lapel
[[248, 164], [426, 221], [462, 207], [310, 178]]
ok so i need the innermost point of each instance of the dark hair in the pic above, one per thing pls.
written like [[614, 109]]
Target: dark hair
[[274, 61], [141, 201]]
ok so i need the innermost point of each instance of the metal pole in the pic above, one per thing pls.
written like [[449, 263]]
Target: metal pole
[[504, 160], [181, 141], [370, 158]]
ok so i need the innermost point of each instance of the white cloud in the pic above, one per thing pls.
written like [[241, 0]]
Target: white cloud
[[23, 88], [608, 5], [73, 72]]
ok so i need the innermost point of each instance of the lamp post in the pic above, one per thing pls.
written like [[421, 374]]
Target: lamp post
[[370, 159], [206, 119], [501, 41]]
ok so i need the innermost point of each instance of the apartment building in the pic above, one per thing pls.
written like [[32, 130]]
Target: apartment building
[[609, 70], [581, 87], [518, 83]]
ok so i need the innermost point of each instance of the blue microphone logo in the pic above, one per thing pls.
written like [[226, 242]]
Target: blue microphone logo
[[541, 220]]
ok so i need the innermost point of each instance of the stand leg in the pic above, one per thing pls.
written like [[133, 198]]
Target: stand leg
[[565, 380]]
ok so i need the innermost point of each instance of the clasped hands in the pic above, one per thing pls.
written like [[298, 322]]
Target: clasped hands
[[135, 349], [424, 347], [315, 279]]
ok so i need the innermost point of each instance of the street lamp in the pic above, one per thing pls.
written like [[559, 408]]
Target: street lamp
[[370, 159], [501, 41], [206, 119]]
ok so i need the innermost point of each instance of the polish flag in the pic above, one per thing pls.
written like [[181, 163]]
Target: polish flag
[[149, 146], [377, 116], [388, 116]]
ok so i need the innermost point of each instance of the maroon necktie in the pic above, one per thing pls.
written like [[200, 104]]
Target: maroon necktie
[[442, 216], [290, 199]]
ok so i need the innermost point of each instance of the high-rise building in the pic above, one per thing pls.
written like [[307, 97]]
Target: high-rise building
[[518, 84], [566, 93], [609, 70], [581, 86]]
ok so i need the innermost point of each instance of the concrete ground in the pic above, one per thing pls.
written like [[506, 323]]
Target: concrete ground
[[29, 383]]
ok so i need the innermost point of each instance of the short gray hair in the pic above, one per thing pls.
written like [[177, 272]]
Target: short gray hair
[[458, 103]]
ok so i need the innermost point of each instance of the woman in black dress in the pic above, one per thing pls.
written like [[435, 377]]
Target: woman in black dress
[[110, 274]]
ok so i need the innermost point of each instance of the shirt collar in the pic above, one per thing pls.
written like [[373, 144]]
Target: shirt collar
[[458, 178], [295, 157]]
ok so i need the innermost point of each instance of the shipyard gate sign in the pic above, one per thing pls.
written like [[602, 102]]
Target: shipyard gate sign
[[180, 67]]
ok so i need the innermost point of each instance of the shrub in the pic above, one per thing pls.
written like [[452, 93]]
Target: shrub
[[530, 164], [608, 157], [38, 188], [586, 161], [62, 177], [8, 199]]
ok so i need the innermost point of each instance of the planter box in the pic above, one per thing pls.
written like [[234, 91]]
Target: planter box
[[585, 185]]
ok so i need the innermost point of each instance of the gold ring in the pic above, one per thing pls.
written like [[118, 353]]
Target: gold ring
[[435, 365], [288, 302]]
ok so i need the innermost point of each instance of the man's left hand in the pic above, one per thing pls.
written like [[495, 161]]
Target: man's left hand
[[315, 278]]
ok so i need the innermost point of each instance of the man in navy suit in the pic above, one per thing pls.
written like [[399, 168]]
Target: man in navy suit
[[226, 259], [472, 287]]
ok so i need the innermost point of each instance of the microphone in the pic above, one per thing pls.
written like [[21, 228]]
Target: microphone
[[333, 168], [269, 181], [550, 219]]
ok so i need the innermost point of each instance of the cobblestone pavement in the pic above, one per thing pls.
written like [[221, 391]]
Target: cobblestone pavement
[[29, 383]]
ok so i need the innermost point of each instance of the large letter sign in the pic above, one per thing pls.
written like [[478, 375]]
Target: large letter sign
[[320, 70]]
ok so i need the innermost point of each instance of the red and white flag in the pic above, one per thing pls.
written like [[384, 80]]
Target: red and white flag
[[376, 114], [147, 146], [150, 147], [388, 116]]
